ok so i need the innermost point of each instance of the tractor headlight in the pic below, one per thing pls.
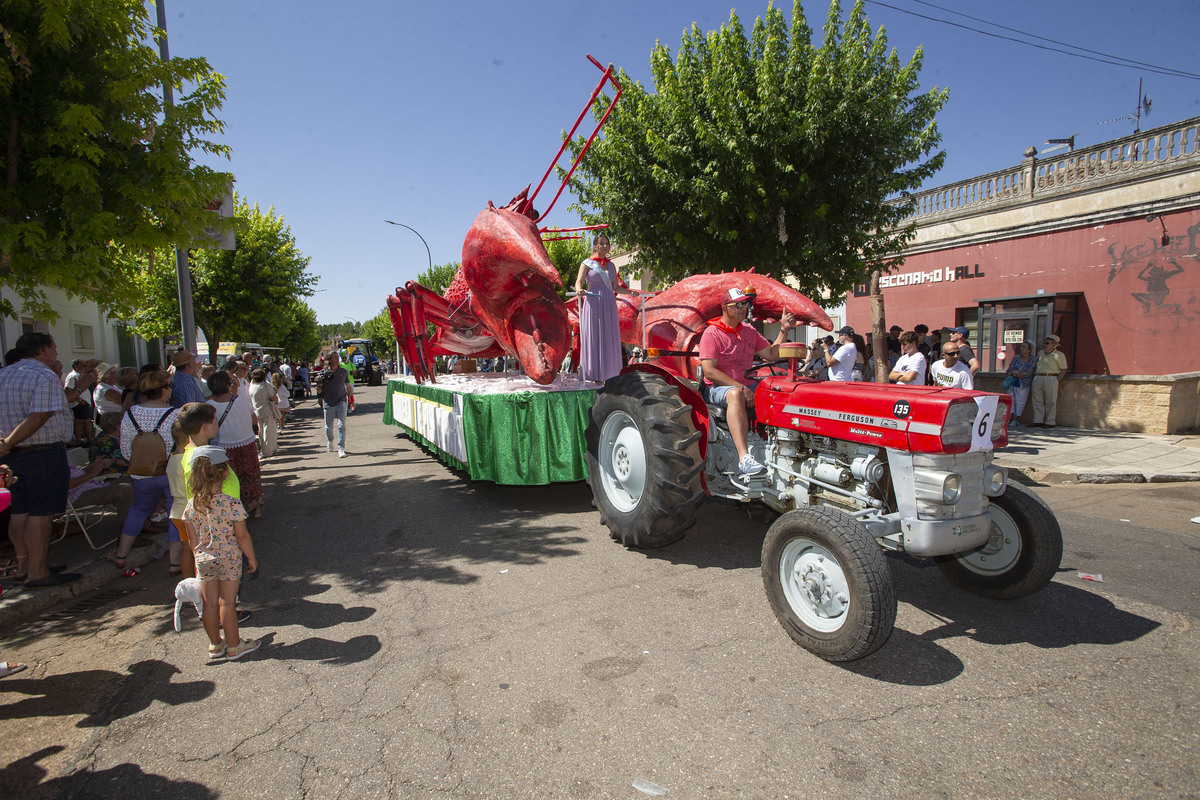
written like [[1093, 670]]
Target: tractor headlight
[[951, 488], [1001, 415], [995, 481], [960, 419], [937, 487]]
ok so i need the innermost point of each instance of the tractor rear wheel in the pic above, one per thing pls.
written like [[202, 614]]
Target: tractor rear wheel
[[643, 460]]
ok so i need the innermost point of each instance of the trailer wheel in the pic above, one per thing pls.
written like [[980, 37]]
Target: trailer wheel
[[643, 460], [1022, 554], [828, 583]]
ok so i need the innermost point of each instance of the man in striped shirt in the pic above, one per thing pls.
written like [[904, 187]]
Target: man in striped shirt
[[36, 423]]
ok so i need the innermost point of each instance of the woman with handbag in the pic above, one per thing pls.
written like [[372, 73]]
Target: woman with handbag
[[235, 435], [1020, 378], [266, 408]]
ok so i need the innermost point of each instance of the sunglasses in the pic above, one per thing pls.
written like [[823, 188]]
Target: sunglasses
[[741, 304], [950, 355]]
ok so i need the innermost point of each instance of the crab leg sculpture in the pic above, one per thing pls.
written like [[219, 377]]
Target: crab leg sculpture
[[675, 318]]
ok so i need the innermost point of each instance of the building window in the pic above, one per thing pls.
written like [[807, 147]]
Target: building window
[[82, 338]]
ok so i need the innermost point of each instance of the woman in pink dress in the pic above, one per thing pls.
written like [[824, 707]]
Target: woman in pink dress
[[597, 286]]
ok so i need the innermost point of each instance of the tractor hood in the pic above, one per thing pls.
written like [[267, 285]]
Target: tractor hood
[[921, 419]]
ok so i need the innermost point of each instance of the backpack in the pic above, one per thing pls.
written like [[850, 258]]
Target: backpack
[[148, 453]]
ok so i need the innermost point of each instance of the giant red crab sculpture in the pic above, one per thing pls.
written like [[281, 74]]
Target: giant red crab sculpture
[[505, 297]]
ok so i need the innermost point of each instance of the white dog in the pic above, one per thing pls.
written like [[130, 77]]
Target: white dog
[[188, 591]]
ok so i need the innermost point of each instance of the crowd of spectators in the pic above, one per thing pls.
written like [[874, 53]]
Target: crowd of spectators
[[103, 407]]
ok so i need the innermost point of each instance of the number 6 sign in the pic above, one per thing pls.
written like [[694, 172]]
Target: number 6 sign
[[985, 416]]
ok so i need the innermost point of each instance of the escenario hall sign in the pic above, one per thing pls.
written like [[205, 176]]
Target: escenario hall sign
[[921, 278]]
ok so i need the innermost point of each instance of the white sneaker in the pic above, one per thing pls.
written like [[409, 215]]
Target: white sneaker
[[341, 453], [328, 447], [750, 466]]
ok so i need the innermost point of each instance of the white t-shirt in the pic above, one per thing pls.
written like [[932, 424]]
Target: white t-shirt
[[845, 356], [238, 428], [909, 362], [957, 376]]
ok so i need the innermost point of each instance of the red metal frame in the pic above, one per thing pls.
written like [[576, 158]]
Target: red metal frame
[[606, 77]]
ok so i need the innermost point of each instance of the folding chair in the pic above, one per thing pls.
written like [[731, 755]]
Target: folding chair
[[78, 458]]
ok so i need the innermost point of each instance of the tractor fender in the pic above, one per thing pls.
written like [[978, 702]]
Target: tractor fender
[[689, 394]]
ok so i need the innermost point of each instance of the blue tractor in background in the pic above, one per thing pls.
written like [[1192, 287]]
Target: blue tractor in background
[[360, 355]]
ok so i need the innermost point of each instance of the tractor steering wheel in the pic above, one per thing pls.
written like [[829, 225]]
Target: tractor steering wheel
[[751, 374]]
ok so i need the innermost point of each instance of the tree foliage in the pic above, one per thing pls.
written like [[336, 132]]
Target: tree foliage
[[343, 330], [252, 293], [94, 174], [379, 330], [439, 277], [566, 255], [298, 335], [767, 152]]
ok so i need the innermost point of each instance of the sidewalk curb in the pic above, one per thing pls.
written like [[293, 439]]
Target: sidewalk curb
[[1067, 475], [19, 604]]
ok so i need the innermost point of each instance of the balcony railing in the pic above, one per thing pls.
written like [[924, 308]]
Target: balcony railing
[[1160, 150]]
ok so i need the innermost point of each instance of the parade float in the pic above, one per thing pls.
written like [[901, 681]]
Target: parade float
[[853, 469]]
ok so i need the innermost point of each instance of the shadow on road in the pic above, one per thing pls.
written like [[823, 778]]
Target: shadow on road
[[22, 777], [76, 693], [731, 536], [1058, 616]]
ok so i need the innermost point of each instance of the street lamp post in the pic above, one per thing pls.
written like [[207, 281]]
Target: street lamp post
[[399, 355], [183, 273]]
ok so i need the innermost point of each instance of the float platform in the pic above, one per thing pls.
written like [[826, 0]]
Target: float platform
[[498, 427]]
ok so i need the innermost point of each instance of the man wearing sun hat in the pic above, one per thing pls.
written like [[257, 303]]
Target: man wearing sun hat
[[727, 349], [185, 386], [1051, 368]]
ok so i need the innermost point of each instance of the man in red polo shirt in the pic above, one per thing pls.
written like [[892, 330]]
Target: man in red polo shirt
[[727, 349]]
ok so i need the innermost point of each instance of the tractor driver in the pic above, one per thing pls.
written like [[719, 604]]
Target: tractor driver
[[727, 349]]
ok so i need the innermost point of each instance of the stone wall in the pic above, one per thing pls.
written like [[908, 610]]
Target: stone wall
[[1138, 403]]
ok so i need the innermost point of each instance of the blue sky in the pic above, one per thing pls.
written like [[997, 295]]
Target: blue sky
[[342, 115]]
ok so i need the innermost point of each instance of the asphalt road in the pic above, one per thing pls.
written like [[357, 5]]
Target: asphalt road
[[427, 637]]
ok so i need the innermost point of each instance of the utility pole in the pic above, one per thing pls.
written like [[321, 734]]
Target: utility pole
[[183, 272]]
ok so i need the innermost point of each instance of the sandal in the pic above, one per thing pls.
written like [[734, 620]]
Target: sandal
[[118, 560], [10, 668]]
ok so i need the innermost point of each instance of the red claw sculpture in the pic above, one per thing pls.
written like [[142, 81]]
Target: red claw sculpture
[[505, 297]]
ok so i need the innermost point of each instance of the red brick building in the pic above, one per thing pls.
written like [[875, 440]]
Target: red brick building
[[1100, 246]]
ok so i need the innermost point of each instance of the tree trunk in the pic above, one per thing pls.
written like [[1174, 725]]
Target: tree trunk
[[879, 332]]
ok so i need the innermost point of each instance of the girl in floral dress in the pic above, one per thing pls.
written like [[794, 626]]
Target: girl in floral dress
[[216, 528]]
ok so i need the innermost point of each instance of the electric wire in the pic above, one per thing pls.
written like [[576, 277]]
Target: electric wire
[[1107, 59], [1179, 72]]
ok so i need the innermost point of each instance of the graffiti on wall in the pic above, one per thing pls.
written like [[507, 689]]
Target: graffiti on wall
[[1155, 288]]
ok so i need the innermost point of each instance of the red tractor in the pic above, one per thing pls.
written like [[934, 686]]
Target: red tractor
[[853, 468]]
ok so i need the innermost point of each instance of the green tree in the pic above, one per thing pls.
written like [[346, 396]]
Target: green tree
[[566, 255], [342, 330], [767, 152], [299, 339], [94, 173], [379, 330], [439, 277], [247, 294]]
